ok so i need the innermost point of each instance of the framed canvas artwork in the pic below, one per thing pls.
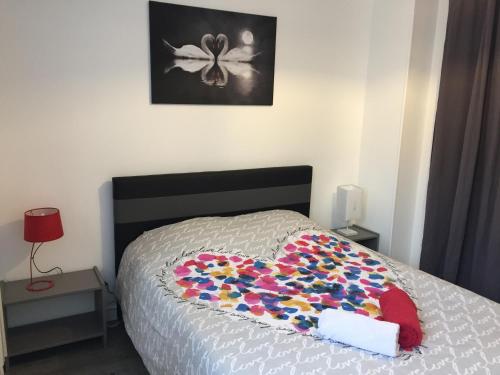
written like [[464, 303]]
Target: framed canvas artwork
[[205, 56]]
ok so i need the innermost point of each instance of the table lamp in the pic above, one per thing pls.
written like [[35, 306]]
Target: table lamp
[[41, 225], [349, 205]]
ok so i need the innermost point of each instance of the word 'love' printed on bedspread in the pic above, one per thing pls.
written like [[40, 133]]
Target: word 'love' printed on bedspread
[[314, 272]]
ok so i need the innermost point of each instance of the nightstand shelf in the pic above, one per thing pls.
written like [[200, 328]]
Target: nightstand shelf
[[47, 334], [33, 337], [364, 237]]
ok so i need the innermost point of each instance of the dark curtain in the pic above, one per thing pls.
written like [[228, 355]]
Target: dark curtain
[[461, 241]]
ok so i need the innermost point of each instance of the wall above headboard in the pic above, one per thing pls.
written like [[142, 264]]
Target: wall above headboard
[[76, 111]]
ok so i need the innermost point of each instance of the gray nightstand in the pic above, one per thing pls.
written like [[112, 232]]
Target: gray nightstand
[[365, 237], [43, 335]]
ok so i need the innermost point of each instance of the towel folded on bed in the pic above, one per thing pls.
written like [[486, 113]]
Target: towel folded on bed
[[398, 307], [359, 331]]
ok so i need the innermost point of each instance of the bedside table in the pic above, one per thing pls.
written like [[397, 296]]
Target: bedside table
[[43, 335], [365, 237]]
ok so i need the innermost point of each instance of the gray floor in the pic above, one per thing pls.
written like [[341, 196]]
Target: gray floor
[[88, 357]]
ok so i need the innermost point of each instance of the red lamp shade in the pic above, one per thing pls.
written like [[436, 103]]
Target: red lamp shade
[[42, 225]]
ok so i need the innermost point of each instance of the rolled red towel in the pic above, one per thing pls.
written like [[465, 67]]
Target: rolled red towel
[[398, 307]]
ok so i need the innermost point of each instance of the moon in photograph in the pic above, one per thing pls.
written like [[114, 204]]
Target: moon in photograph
[[247, 37]]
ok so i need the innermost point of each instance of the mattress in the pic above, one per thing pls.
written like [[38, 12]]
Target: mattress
[[174, 336]]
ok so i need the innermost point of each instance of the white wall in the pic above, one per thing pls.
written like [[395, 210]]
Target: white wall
[[406, 47], [75, 112], [390, 45], [418, 127]]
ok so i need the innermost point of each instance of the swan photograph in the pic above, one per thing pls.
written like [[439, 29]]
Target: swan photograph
[[206, 56]]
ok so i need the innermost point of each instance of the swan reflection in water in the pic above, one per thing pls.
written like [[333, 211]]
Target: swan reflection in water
[[216, 70], [216, 73]]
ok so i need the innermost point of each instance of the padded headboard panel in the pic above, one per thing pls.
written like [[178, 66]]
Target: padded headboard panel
[[142, 203]]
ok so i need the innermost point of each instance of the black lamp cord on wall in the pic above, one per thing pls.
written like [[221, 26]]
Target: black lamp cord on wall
[[117, 322]]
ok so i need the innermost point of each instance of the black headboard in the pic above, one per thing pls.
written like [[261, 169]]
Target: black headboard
[[142, 203]]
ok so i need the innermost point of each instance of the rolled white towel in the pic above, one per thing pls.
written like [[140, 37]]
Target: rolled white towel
[[359, 331]]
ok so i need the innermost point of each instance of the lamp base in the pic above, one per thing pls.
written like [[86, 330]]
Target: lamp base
[[39, 286], [347, 232]]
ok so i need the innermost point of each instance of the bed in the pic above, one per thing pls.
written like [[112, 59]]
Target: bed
[[162, 220]]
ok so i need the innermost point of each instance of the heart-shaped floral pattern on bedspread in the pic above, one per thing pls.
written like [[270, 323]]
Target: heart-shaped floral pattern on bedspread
[[314, 271]]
